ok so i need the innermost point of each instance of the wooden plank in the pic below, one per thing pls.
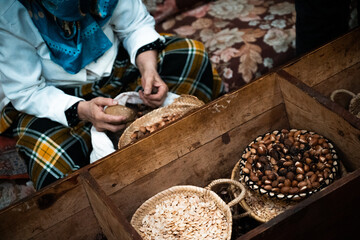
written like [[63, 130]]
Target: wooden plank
[[211, 161], [325, 101], [305, 109], [43, 210], [327, 60], [111, 220], [349, 79], [329, 214], [82, 225], [213, 120]]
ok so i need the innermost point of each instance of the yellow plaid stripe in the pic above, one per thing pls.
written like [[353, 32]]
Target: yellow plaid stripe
[[50, 151]]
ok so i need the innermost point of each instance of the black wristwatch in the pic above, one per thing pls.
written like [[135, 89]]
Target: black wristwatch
[[72, 115]]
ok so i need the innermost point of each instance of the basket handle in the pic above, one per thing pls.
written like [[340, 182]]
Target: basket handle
[[333, 94], [232, 182]]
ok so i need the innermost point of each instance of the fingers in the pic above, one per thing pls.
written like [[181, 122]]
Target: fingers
[[93, 111], [148, 87], [146, 101], [101, 101], [156, 99]]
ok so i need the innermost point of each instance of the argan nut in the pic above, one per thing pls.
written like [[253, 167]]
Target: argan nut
[[302, 184], [299, 170], [246, 170], [303, 189], [287, 183], [120, 110], [247, 155], [282, 171], [288, 163], [134, 135], [299, 177], [298, 164], [328, 156], [248, 166], [294, 183], [313, 178], [293, 190], [272, 176], [268, 187], [320, 166], [262, 149], [313, 141], [142, 129], [254, 178], [322, 159], [308, 161], [290, 175], [274, 183], [284, 189], [281, 179], [264, 178], [267, 182]]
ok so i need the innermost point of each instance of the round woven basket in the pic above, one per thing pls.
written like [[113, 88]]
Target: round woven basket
[[354, 105], [170, 194], [180, 106], [333, 167], [262, 204], [259, 207]]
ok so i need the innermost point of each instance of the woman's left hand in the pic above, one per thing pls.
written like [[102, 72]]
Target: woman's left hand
[[155, 89]]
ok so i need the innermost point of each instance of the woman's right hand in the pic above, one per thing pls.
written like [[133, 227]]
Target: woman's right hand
[[93, 111]]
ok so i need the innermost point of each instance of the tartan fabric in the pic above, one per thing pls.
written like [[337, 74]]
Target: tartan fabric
[[52, 151]]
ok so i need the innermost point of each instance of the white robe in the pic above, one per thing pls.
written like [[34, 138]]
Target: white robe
[[28, 77]]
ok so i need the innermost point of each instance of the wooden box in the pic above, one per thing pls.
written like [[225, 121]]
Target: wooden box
[[97, 202], [332, 67]]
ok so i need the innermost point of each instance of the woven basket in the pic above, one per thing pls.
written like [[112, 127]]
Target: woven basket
[[180, 106], [257, 206], [186, 190], [262, 204], [334, 169], [354, 105]]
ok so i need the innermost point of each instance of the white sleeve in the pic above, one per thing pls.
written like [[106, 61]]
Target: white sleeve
[[134, 26], [20, 78]]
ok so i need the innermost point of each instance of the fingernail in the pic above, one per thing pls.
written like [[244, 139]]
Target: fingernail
[[115, 102]]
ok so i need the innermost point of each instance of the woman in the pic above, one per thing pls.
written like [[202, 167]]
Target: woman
[[61, 62]]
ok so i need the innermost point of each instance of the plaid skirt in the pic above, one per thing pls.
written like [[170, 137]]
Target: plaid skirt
[[52, 151]]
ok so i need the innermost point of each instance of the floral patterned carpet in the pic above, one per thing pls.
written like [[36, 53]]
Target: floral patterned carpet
[[14, 180], [244, 38]]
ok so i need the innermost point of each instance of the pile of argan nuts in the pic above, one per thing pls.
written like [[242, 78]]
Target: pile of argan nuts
[[291, 163], [146, 130]]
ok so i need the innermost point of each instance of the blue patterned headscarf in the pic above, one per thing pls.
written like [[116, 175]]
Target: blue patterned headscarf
[[72, 29]]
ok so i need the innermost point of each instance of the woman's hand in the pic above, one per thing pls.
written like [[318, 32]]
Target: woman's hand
[[93, 111], [155, 89]]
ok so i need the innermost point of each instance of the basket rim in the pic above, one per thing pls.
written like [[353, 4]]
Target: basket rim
[[151, 203], [293, 197], [181, 106], [235, 174]]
